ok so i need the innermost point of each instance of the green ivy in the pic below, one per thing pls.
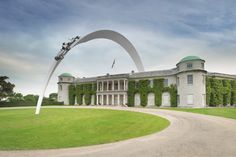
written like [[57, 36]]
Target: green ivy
[[131, 93], [158, 87], [220, 92], [233, 92], [86, 91], [143, 87], [208, 90], [173, 95], [143, 90], [72, 93], [226, 92]]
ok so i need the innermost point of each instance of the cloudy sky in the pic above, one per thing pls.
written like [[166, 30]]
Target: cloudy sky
[[163, 32]]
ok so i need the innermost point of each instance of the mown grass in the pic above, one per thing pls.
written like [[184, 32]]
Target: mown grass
[[62, 128], [222, 112]]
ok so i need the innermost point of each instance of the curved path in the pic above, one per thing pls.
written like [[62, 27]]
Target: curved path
[[189, 135]]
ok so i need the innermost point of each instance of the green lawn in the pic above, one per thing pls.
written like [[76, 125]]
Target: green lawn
[[222, 112], [60, 128]]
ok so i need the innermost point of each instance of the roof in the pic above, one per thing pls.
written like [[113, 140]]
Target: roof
[[65, 75], [86, 79], [221, 75], [156, 73], [190, 58]]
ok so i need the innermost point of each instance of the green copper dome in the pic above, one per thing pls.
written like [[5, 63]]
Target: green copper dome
[[66, 75], [190, 58]]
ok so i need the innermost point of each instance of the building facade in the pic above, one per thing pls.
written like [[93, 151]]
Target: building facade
[[183, 86]]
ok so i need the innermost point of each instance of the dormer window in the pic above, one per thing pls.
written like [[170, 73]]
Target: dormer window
[[189, 65]]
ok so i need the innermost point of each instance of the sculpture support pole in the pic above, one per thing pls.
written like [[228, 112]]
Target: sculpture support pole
[[49, 75]]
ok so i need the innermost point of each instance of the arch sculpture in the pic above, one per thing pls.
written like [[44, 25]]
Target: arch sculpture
[[105, 34]]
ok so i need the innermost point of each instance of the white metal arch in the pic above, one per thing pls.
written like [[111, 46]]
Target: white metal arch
[[105, 34]]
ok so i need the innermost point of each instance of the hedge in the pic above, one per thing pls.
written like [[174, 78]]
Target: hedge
[[29, 103]]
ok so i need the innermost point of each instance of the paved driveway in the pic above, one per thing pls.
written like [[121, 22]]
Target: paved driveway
[[189, 135]]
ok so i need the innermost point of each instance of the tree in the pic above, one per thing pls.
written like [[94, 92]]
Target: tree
[[15, 97], [53, 96], [31, 98], [6, 88]]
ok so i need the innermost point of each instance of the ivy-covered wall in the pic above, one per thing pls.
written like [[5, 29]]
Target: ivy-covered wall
[[143, 87], [72, 94], [80, 90], [220, 92]]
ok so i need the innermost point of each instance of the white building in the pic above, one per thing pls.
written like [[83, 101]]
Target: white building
[[188, 77]]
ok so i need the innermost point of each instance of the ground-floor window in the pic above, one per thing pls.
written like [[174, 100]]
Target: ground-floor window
[[190, 99]]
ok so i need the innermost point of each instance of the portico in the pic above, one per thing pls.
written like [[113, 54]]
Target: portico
[[112, 91]]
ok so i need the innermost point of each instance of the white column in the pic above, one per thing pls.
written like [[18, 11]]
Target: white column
[[118, 96], [124, 99], [102, 99], [97, 86], [118, 84], [96, 100], [112, 99], [124, 84], [113, 85], [102, 86], [107, 85], [107, 99]]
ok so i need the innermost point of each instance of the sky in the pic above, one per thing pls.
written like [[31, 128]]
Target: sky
[[162, 31]]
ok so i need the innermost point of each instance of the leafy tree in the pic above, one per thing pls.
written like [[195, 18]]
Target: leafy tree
[[53, 96], [31, 98], [6, 88], [15, 97]]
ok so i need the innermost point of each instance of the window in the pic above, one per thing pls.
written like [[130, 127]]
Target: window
[[190, 79], [189, 65], [115, 85], [177, 81], [60, 87], [100, 86], [151, 83], [166, 99], [68, 79], [202, 65], [190, 99], [61, 79], [165, 82], [203, 79]]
